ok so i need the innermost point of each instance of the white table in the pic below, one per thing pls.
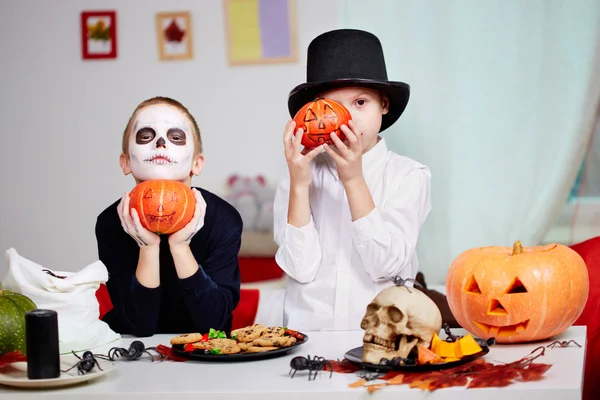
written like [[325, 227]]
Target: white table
[[267, 379]]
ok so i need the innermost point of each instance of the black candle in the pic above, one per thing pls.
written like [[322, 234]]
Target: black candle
[[41, 332]]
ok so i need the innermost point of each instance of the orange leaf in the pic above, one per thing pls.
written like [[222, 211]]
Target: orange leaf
[[418, 384], [397, 380], [373, 388], [358, 383]]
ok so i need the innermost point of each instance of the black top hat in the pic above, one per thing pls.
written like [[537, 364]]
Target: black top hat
[[348, 57]]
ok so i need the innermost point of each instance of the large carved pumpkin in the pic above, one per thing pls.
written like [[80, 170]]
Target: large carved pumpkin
[[516, 295], [164, 206], [318, 119]]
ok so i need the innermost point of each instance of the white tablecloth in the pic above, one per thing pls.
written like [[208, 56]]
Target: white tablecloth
[[269, 379]]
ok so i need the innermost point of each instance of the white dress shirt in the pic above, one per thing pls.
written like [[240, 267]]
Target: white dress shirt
[[336, 267]]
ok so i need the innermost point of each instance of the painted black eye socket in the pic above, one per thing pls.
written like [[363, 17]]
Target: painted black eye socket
[[145, 135], [176, 136]]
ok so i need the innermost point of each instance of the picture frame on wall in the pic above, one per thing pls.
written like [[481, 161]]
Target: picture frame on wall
[[261, 31], [99, 34], [174, 35]]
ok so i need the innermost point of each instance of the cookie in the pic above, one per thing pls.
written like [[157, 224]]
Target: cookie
[[272, 332], [244, 346], [249, 333], [258, 349], [279, 341], [227, 346], [186, 338]]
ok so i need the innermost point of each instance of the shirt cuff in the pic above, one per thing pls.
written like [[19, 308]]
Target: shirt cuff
[[199, 282], [150, 297], [368, 227], [297, 236]]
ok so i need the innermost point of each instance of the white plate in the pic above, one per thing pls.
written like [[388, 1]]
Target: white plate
[[15, 374]]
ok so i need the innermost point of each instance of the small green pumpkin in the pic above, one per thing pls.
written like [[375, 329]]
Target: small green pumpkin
[[13, 307]]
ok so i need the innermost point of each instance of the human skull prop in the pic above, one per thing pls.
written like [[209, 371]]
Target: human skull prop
[[397, 320]]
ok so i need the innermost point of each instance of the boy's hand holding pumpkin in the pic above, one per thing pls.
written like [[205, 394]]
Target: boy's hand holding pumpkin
[[130, 221], [298, 159], [347, 157], [185, 235]]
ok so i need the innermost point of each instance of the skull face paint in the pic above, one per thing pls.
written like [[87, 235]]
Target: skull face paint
[[397, 320], [161, 144]]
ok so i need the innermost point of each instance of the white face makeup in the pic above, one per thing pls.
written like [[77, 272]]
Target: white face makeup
[[161, 144]]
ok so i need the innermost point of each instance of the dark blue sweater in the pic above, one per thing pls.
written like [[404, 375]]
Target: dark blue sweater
[[204, 300]]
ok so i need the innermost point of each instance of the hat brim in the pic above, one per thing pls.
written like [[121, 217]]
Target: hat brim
[[397, 93]]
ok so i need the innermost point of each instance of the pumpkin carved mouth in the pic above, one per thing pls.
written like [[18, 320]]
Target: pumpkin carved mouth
[[507, 330], [161, 218]]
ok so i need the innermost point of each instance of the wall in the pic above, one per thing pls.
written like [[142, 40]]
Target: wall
[[61, 118]]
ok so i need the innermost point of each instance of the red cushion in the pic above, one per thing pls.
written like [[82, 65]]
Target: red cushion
[[590, 252], [245, 312], [257, 269], [103, 300]]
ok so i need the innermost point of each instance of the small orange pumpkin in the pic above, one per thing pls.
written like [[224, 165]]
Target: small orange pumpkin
[[517, 295], [164, 206], [318, 119]]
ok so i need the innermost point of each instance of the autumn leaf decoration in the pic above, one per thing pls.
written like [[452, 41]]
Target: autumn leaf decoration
[[173, 33], [475, 374], [9, 358], [99, 31]]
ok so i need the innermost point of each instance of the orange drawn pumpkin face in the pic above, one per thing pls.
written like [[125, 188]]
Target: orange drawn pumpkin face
[[517, 295], [164, 206], [318, 119]]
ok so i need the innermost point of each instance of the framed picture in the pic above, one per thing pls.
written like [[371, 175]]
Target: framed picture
[[174, 35], [99, 34], [261, 31]]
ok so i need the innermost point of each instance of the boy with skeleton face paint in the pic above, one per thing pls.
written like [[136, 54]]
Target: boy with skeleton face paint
[[188, 281]]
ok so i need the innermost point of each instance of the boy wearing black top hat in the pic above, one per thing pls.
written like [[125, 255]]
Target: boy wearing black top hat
[[347, 217]]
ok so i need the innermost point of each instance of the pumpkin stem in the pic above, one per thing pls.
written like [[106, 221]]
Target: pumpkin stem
[[517, 248]]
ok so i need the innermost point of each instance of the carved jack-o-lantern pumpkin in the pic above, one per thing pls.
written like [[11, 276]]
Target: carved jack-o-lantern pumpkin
[[318, 119], [517, 295], [164, 206]]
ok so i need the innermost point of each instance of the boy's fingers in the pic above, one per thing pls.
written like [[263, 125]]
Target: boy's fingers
[[313, 152], [350, 134], [338, 159], [342, 148], [298, 140], [287, 135]]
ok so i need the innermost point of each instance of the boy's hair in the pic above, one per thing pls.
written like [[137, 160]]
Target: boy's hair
[[168, 101]]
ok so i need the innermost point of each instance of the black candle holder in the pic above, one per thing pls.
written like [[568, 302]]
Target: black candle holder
[[43, 356]]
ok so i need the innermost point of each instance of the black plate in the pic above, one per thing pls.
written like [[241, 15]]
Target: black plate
[[200, 355], [355, 356]]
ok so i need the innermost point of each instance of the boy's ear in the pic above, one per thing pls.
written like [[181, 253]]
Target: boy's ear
[[385, 104], [124, 161], [198, 165]]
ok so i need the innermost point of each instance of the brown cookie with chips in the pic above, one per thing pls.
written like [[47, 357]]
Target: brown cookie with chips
[[272, 332], [279, 341], [249, 333], [258, 349], [186, 338], [227, 346]]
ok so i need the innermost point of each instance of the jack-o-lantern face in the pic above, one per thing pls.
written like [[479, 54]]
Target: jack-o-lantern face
[[318, 119], [164, 206], [519, 294]]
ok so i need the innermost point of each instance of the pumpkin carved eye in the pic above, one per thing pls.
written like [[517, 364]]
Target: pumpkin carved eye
[[472, 286], [516, 287]]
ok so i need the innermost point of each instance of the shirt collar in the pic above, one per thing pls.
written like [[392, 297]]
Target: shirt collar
[[370, 159]]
